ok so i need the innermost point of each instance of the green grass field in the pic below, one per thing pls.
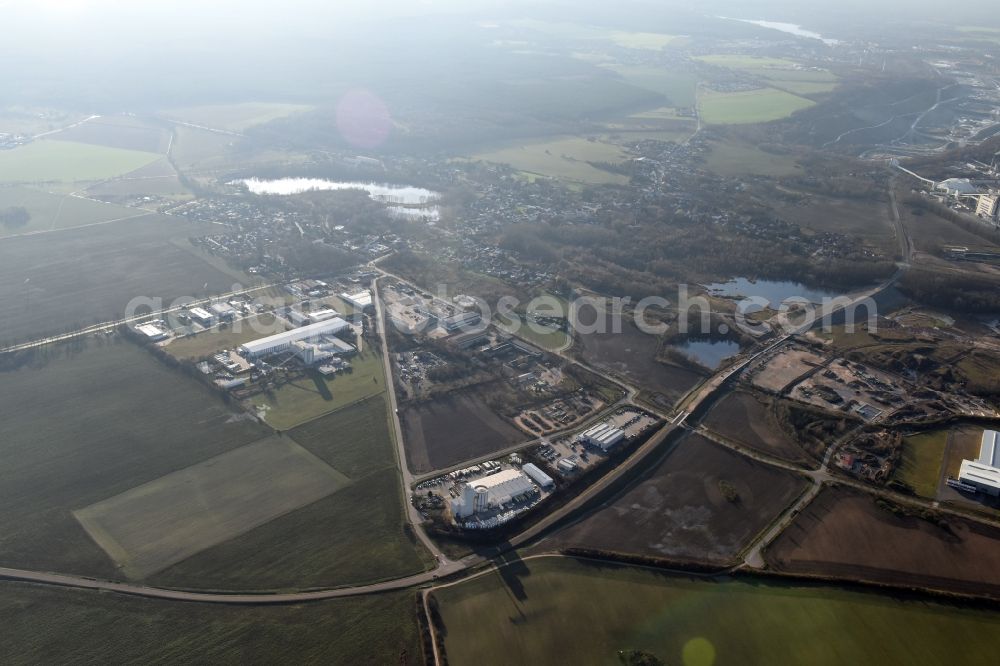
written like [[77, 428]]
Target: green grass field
[[563, 158], [920, 466], [753, 106], [560, 611], [552, 339], [56, 625], [653, 41], [160, 523], [86, 426], [355, 535], [736, 158], [578, 31], [306, 399], [50, 212], [67, 161], [234, 117], [783, 74]]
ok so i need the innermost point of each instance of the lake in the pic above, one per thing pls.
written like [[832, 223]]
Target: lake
[[709, 353], [406, 195], [789, 28], [775, 291]]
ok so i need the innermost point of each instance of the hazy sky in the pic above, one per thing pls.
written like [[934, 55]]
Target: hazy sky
[[90, 51]]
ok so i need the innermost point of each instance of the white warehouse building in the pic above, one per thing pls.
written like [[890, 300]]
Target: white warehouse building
[[603, 436], [280, 342], [360, 300], [538, 476], [490, 492], [984, 472]]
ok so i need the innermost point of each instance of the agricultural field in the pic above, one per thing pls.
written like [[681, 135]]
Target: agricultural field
[[356, 535], [577, 31], [677, 86], [157, 178], [47, 160], [44, 624], [738, 158], [232, 336], [453, 429], [930, 231], [68, 280], [153, 526], [313, 396], [748, 419], [694, 622], [546, 337], [678, 509], [31, 121], [565, 158], [234, 117], [199, 149], [81, 426], [847, 534], [963, 443], [123, 132], [920, 466], [783, 74], [752, 106], [50, 212], [869, 220], [632, 355]]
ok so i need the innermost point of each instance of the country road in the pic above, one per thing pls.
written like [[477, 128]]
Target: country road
[[445, 566]]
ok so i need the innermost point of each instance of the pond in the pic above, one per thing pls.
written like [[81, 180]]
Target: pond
[[709, 353], [774, 291]]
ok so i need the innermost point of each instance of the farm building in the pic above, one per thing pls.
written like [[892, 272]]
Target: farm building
[[984, 472], [490, 492], [538, 476], [283, 341]]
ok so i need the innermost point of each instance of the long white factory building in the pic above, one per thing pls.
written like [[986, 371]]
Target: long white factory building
[[490, 492], [984, 472], [280, 342]]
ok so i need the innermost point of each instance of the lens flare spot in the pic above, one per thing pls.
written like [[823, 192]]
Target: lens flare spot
[[363, 119], [698, 652]]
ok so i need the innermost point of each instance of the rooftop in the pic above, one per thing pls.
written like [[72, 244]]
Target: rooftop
[[989, 450], [288, 337]]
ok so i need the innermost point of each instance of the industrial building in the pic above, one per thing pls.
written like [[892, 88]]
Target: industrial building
[[300, 318], [603, 435], [538, 476], [311, 353], [461, 320], [491, 492], [152, 331], [280, 342], [983, 473], [987, 206], [223, 311], [361, 300], [202, 316]]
